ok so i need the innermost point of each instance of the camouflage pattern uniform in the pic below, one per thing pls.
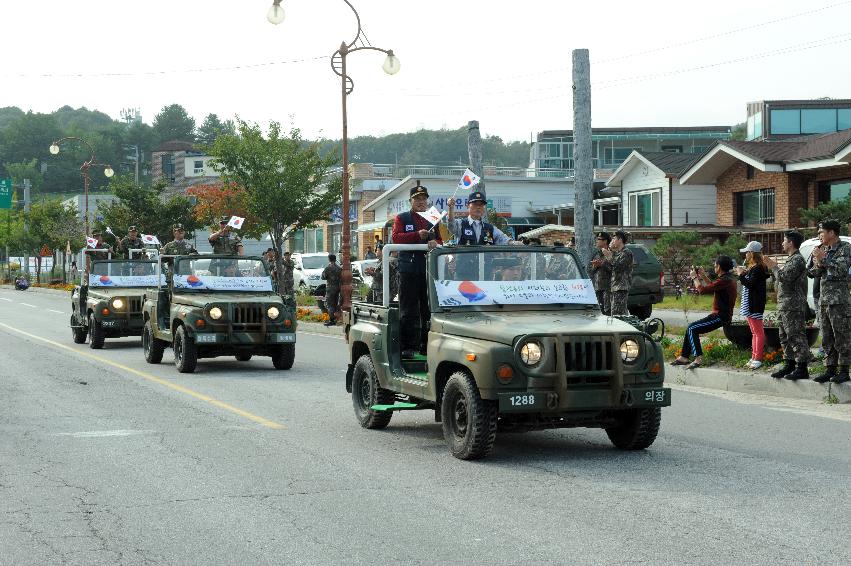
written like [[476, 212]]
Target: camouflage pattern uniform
[[600, 277], [621, 281], [179, 247], [792, 308], [127, 243], [289, 279], [226, 244], [835, 304], [376, 289], [331, 274]]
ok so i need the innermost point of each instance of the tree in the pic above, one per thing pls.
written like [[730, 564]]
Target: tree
[[739, 132], [284, 178], [174, 123], [29, 170], [215, 201], [49, 224], [212, 128], [145, 207], [706, 255], [676, 251], [838, 210]]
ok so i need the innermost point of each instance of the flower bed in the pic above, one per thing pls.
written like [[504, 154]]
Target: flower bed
[[721, 352], [307, 315]]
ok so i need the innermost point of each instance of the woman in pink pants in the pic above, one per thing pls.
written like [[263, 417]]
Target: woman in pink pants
[[753, 278]]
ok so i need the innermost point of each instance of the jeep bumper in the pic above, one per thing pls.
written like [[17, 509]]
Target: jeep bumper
[[579, 400], [244, 338]]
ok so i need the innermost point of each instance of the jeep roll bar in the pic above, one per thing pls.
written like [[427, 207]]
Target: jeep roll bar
[[385, 265]]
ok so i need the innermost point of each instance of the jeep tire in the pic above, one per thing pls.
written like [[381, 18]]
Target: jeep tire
[[469, 422], [367, 392], [636, 429], [78, 333], [152, 347], [283, 356], [185, 351], [243, 356], [96, 334]]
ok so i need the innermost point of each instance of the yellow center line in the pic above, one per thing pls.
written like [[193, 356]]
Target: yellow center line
[[147, 376]]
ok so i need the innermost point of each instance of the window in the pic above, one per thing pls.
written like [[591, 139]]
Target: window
[[298, 241], [673, 148], [645, 209], [755, 207], [199, 164], [818, 120], [638, 254], [833, 191], [754, 126], [616, 155], [844, 118], [785, 121], [699, 149], [168, 167], [750, 172]]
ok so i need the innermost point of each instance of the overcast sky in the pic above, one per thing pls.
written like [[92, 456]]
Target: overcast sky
[[506, 64]]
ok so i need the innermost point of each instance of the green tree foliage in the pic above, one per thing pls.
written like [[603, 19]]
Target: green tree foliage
[[706, 255], [677, 251], [145, 207], [284, 177], [739, 131], [173, 123], [212, 128], [838, 210], [29, 170], [49, 224]]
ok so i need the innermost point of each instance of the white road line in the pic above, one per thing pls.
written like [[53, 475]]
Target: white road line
[[5, 299], [58, 312], [29, 305], [332, 336], [103, 433]]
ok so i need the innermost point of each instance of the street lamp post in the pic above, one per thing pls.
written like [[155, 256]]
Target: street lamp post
[[84, 170], [391, 66]]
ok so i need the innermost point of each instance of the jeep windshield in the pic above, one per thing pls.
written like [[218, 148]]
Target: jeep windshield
[[199, 273], [522, 277], [133, 273]]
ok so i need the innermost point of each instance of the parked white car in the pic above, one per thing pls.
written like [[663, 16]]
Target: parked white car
[[310, 267], [807, 248]]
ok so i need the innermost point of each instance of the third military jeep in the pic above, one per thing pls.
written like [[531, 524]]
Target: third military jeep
[[217, 305], [517, 342]]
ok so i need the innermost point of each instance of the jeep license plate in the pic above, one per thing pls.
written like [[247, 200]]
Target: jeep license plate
[[205, 338], [109, 323], [522, 401], [652, 397], [289, 337]]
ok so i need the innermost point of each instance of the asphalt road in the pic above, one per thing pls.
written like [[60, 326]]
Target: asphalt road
[[105, 459]]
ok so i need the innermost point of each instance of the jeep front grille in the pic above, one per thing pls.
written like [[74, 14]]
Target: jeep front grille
[[134, 305], [246, 316], [589, 361]]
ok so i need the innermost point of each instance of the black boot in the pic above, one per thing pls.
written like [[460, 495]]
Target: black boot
[[799, 373], [842, 376], [788, 367], [826, 376]]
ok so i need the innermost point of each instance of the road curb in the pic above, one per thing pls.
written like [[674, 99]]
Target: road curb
[[753, 382], [319, 328], [39, 290]]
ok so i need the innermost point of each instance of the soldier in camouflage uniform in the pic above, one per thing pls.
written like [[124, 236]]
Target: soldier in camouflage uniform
[[131, 241], [831, 262], [791, 283], [331, 274], [601, 272], [619, 259], [289, 279], [179, 246], [225, 242], [93, 255], [376, 289]]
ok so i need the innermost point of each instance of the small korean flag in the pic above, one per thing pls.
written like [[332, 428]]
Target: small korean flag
[[150, 239], [432, 215], [91, 242], [468, 180], [236, 222]]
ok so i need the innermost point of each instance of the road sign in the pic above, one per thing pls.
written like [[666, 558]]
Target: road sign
[[5, 193], [45, 251]]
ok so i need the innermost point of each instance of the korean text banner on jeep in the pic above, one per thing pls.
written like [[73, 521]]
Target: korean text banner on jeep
[[540, 292], [124, 280], [218, 283]]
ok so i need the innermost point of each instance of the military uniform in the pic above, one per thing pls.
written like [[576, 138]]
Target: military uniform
[[376, 289], [225, 244], [332, 274], [621, 281], [127, 243], [792, 308], [601, 277], [835, 307], [289, 280], [179, 247]]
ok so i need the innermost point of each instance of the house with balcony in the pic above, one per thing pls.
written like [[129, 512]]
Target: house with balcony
[[784, 119]]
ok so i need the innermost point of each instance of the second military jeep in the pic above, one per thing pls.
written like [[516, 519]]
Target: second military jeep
[[217, 305], [108, 302], [517, 342]]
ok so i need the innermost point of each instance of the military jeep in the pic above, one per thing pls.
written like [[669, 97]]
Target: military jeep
[[217, 305], [109, 304], [516, 343]]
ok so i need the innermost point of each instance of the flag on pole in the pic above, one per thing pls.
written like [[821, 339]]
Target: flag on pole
[[432, 215], [91, 242], [236, 222], [468, 180], [150, 239]]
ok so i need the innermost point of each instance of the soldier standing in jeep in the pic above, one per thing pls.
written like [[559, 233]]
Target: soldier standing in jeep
[[601, 272]]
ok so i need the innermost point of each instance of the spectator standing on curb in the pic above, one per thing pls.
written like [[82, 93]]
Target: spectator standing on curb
[[831, 262], [754, 277], [620, 260], [791, 282], [723, 301], [331, 274], [601, 272]]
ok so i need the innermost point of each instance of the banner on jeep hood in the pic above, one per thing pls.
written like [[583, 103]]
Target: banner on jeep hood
[[216, 283], [124, 280], [466, 293]]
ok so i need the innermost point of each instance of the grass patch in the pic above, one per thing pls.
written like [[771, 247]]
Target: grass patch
[[699, 303], [719, 351]]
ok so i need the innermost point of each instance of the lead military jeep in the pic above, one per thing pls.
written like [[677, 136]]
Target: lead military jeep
[[516, 343], [217, 305], [109, 304]]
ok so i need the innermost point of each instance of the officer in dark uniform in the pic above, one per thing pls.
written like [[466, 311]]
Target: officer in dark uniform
[[332, 274], [131, 241], [411, 228], [473, 230]]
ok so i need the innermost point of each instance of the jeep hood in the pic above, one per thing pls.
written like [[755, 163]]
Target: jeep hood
[[197, 299], [504, 327]]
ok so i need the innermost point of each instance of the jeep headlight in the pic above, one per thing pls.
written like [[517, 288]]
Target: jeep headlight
[[530, 353], [216, 313], [117, 304], [273, 312], [629, 350]]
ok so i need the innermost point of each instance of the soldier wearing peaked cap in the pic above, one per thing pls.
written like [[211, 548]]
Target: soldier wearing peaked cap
[[179, 246], [225, 241], [473, 230], [131, 241]]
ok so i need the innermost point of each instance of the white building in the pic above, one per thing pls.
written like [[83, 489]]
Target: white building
[[95, 201], [651, 193]]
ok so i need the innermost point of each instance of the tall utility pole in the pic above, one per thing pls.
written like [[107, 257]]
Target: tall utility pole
[[475, 153], [583, 180], [27, 187]]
